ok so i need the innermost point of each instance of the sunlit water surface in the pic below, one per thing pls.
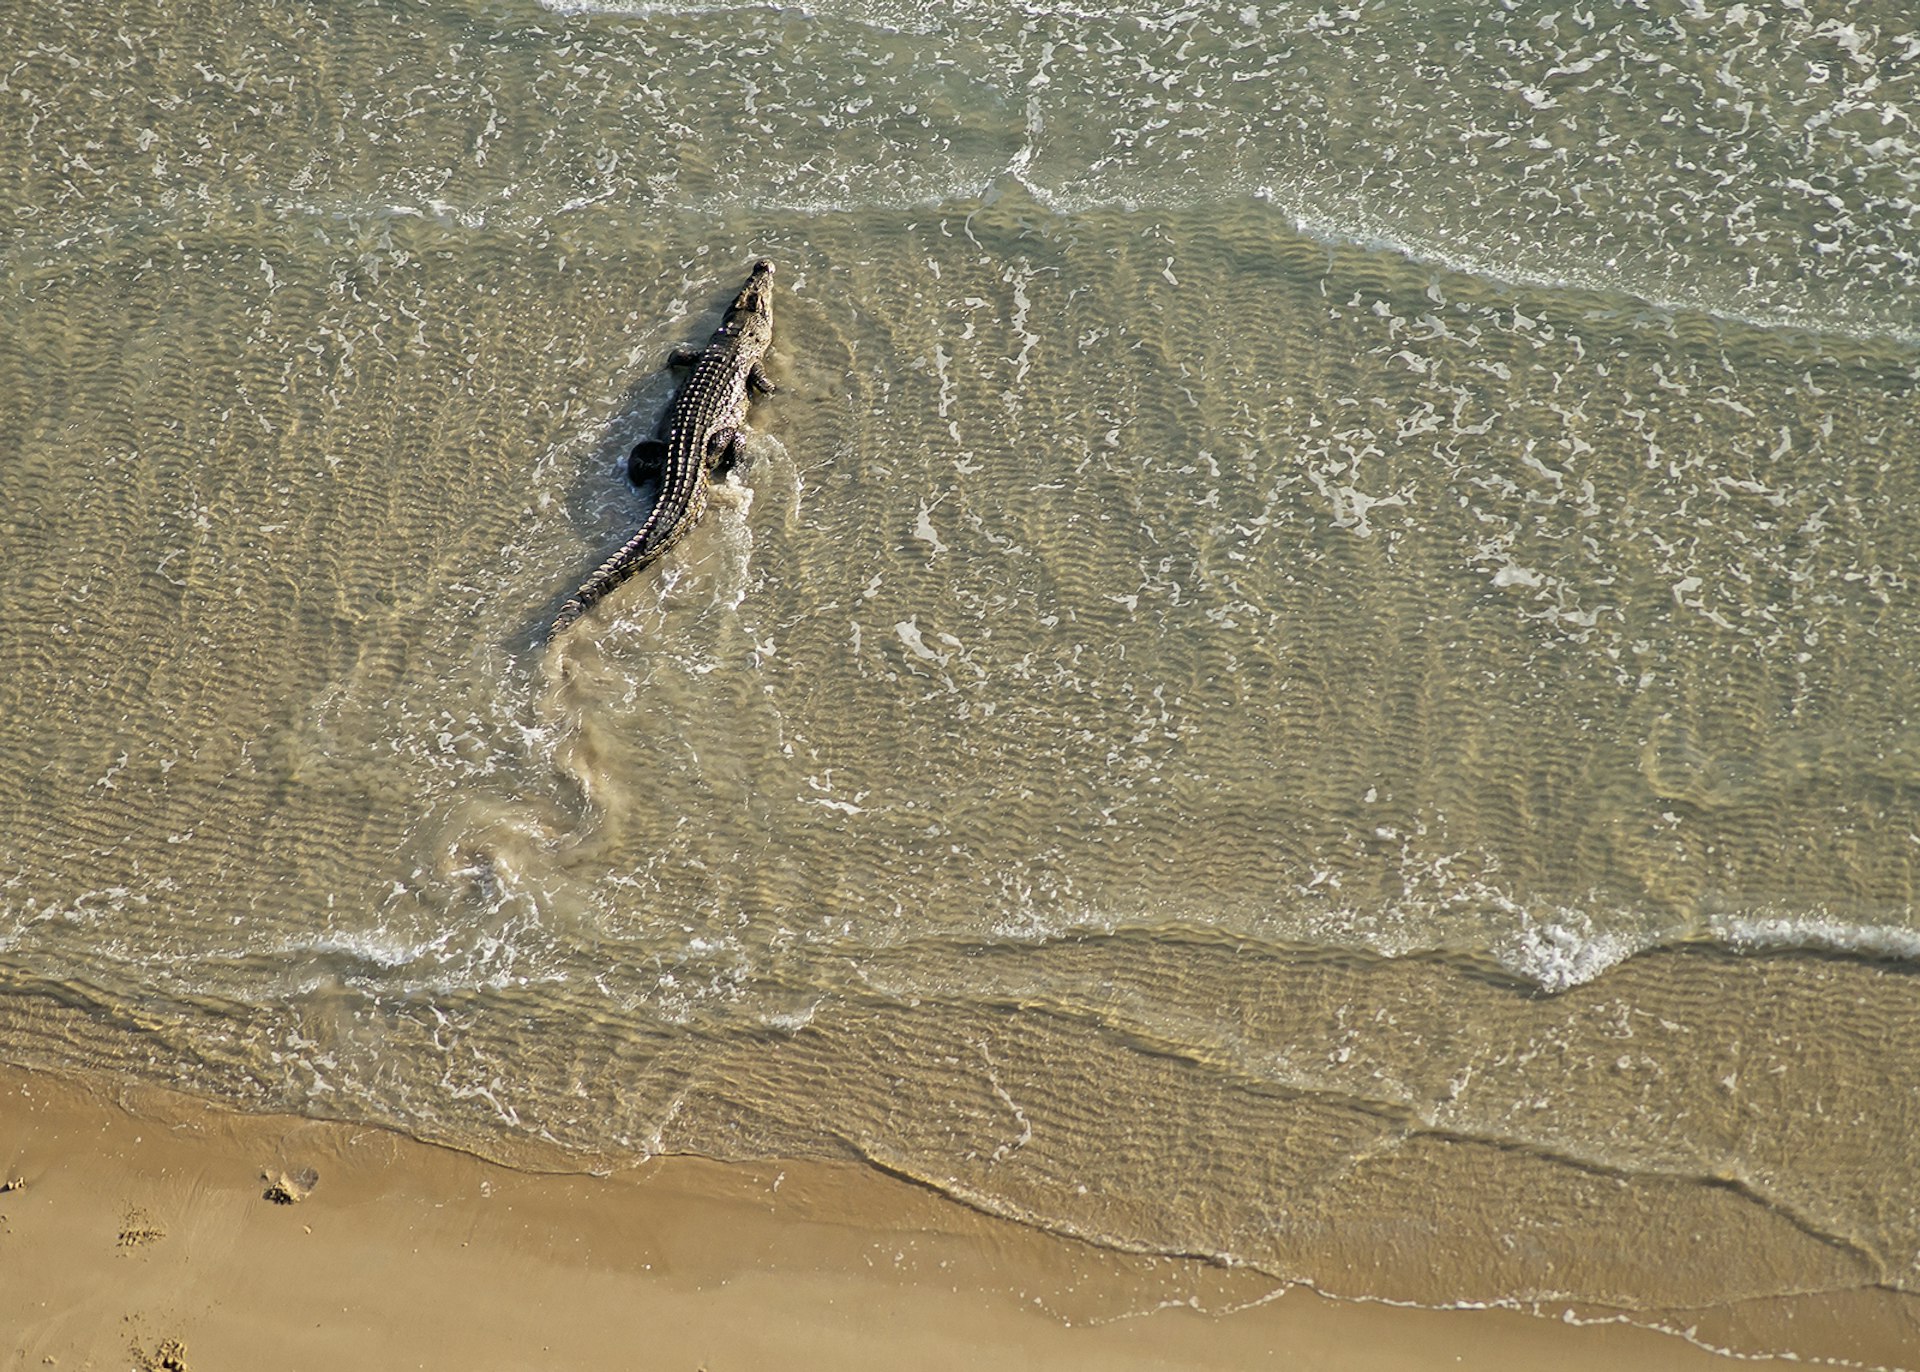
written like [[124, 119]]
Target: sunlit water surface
[[1325, 617]]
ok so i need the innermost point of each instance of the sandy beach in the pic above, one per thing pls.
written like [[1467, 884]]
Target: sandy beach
[[140, 1233]]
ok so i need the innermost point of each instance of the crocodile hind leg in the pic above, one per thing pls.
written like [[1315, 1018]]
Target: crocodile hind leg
[[647, 464], [726, 451], [647, 470]]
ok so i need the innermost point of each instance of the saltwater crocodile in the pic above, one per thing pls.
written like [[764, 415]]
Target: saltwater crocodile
[[700, 435]]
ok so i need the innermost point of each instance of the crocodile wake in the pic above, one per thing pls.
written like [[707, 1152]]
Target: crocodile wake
[[1322, 619]]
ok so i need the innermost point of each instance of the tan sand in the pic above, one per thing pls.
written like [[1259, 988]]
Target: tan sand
[[140, 1233]]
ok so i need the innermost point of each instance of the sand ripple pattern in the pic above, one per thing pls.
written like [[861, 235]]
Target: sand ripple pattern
[[1243, 689]]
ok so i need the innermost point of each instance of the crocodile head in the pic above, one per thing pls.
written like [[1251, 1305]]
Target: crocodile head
[[750, 317]]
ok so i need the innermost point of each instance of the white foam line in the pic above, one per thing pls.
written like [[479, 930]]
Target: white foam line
[[694, 9], [1371, 238], [1775, 932]]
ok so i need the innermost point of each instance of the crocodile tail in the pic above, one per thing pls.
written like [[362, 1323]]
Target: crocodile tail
[[633, 555], [645, 547]]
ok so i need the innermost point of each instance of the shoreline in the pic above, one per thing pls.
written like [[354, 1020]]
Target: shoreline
[[138, 1231]]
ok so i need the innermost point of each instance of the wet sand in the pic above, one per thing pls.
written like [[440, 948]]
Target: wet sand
[[138, 1231]]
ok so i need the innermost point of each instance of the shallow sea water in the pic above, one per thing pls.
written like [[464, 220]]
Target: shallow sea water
[[1313, 666]]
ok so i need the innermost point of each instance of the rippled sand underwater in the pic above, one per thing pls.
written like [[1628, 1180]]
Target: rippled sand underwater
[[1313, 666]]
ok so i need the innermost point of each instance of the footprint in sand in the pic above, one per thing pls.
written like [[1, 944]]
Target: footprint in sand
[[138, 1228], [170, 1356]]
